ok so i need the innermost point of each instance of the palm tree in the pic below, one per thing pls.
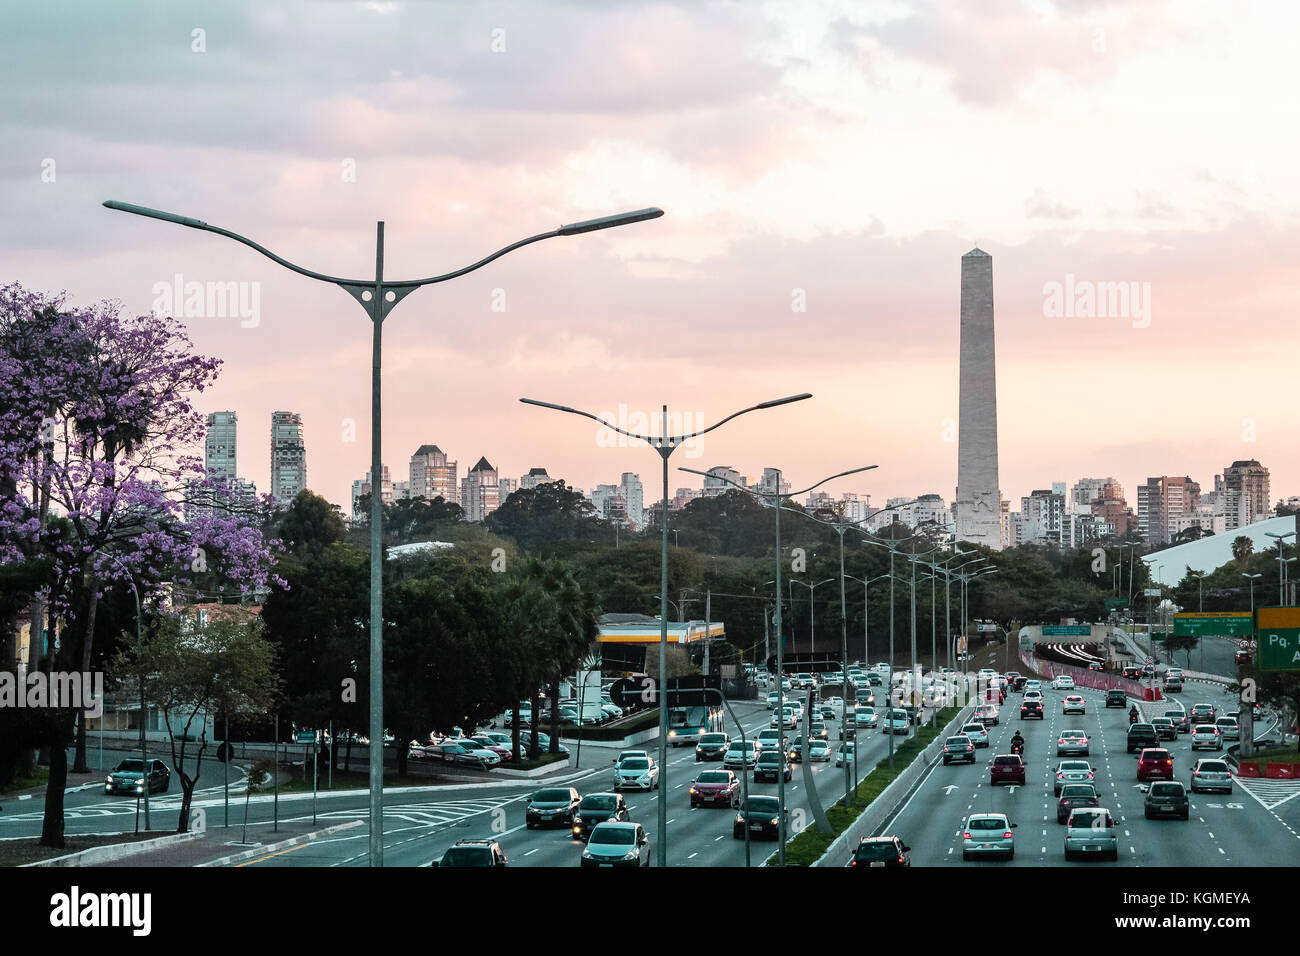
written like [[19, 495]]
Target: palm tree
[[1242, 548]]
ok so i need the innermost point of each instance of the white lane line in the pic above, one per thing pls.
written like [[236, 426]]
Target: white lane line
[[673, 820], [716, 839], [532, 851], [1212, 836], [693, 856], [1220, 849]]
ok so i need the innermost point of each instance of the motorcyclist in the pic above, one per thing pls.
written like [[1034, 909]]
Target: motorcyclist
[[1017, 742], [1133, 714]]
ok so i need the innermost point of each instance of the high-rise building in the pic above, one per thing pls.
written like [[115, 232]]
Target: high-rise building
[[288, 457], [1042, 517], [610, 503], [633, 499], [219, 458], [1163, 505], [978, 500], [433, 476], [1088, 490], [1250, 480], [714, 484], [767, 485], [480, 491], [535, 477], [361, 487], [506, 487]]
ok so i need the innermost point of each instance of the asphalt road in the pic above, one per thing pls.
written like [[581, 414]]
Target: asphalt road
[[1224, 830]]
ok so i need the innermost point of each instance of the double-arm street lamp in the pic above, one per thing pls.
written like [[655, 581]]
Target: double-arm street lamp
[[776, 497], [1281, 564], [1252, 578], [378, 297], [812, 610], [665, 445]]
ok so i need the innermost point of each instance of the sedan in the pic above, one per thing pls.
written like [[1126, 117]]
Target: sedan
[[554, 805], [883, 851], [988, 833], [128, 777], [1204, 713], [1091, 832], [760, 816], [1007, 768], [987, 713], [712, 747], [958, 748], [1211, 775], [977, 732], [844, 752], [865, 718], [1064, 682], [595, 809], [741, 757], [1164, 798], [617, 844], [1074, 795], [1206, 736], [719, 788], [1072, 742], [819, 750], [636, 773], [1030, 709], [1072, 771], [1155, 762], [772, 763], [1074, 704], [1165, 729], [1228, 728]]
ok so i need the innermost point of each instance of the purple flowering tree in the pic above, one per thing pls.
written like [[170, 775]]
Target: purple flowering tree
[[96, 419]]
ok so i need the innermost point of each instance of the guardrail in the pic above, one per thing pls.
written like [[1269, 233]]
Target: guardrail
[[1083, 677]]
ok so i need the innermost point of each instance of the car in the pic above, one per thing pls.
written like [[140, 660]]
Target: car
[[759, 815], [128, 777], [1018, 682], [882, 851], [636, 773], [1210, 774], [1063, 682], [1206, 736], [1205, 713], [1075, 795], [1116, 698], [525, 714], [544, 743], [464, 753], [865, 718], [1141, 735], [844, 752], [1173, 685], [1242, 657], [1228, 728], [1181, 720], [1166, 797], [712, 747], [987, 714], [773, 698], [720, 788], [1091, 831], [1072, 771], [770, 740], [617, 843], [1165, 729], [740, 756], [818, 750], [596, 808], [977, 732], [988, 834], [473, 853], [772, 763], [1074, 704], [786, 720], [1030, 709], [897, 721], [805, 681], [825, 712], [1131, 672], [834, 703], [1072, 742], [551, 806], [817, 729], [913, 714], [1007, 768], [848, 731], [958, 748], [875, 680], [1033, 695], [1033, 685], [1096, 666], [624, 754], [1155, 762], [488, 743]]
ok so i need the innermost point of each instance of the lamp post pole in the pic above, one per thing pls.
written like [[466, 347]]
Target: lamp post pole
[[665, 445], [378, 298], [812, 610], [1251, 578]]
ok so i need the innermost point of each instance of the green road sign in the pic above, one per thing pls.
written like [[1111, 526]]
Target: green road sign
[[1214, 624], [1067, 630], [1279, 638], [1115, 603], [306, 736]]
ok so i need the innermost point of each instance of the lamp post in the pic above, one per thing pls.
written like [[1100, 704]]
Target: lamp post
[[812, 611], [776, 495], [139, 647], [665, 445], [893, 545], [1281, 565], [1251, 578], [378, 297], [1200, 607]]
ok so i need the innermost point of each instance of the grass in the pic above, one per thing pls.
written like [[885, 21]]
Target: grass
[[39, 778], [20, 852], [811, 844]]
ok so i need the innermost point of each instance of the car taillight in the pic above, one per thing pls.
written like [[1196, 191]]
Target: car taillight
[[1060, 776], [1061, 741], [1170, 762], [945, 749], [966, 835], [1007, 835], [900, 859]]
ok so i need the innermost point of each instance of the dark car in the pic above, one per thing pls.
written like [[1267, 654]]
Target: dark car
[[1165, 728], [1031, 708], [719, 788], [126, 777], [1141, 736], [772, 763], [1116, 698], [554, 806], [1007, 768], [597, 808], [1203, 714], [958, 748], [1132, 673], [473, 853], [1167, 797], [1075, 795], [1018, 682], [1181, 720], [760, 815], [711, 747], [1155, 762], [884, 851]]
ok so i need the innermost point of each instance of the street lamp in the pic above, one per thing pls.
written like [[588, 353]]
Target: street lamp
[[665, 445], [1251, 578], [1200, 607], [777, 495], [378, 297], [812, 611], [139, 647], [1281, 565]]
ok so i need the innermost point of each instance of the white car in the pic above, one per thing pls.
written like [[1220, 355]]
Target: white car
[[636, 773], [865, 717], [1064, 682], [837, 703], [1074, 704], [1033, 687], [772, 699], [977, 732], [770, 740], [844, 752], [740, 757], [1207, 736], [786, 720], [1033, 695], [897, 721]]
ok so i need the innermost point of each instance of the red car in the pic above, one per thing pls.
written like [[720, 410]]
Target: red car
[[1155, 763], [717, 788], [1007, 768], [487, 743]]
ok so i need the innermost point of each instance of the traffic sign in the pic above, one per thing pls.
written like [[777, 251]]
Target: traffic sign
[[1279, 638], [961, 645], [1067, 630], [1151, 592], [307, 736], [1114, 603], [808, 663], [983, 628], [1213, 624]]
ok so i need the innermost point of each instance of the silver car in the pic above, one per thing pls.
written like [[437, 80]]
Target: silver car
[[1072, 771], [1208, 774], [1091, 831], [1072, 742], [740, 757], [977, 732], [988, 833], [1206, 736], [1228, 728]]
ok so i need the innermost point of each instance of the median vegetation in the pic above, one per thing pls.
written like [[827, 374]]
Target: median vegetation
[[808, 846]]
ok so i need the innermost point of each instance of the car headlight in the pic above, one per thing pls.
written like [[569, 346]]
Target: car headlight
[[773, 821], [631, 855], [586, 855], [110, 778]]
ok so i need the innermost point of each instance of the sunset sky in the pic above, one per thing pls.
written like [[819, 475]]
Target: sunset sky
[[841, 154]]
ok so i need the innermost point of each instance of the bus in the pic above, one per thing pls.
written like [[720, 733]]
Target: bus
[[685, 724]]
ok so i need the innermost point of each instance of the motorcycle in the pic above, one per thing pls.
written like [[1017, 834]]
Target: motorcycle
[[1018, 748], [1132, 717]]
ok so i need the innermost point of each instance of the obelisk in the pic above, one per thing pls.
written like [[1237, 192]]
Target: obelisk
[[979, 499]]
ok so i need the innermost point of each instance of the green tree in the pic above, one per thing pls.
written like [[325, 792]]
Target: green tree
[[536, 518], [1242, 548]]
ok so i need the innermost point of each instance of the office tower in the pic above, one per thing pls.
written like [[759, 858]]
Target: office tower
[[714, 484], [633, 496], [535, 477], [219, 459], [1249, 481], [361, 487], [978, 496], [288, 457], [432, 475], [480, 491]]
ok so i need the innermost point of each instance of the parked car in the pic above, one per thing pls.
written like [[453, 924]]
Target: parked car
[[720, 788], [1208, 774], [1155, 762], [552, 806], [128, 777], [959, 748], [617, 844], [473, 853], [1075, 795], [1091, 832], [596, 808], [1166, 797], [463, 753], [988, 834], [1007, 768], [882, 851]]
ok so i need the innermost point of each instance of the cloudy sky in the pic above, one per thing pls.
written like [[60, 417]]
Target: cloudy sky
[[822, 166]]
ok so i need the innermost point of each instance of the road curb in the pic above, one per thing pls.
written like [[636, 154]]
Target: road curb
[[117, 851], [282, 845]]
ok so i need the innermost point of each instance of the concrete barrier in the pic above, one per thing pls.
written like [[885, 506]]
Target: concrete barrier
[[117, 851], [880, 809]]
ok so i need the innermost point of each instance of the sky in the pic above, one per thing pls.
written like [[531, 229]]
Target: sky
[[822, 166]]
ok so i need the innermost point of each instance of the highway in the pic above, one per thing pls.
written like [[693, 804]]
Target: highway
[[1224, 830]]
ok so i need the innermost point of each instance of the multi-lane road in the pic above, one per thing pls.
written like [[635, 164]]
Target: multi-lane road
[[1237, 829]]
